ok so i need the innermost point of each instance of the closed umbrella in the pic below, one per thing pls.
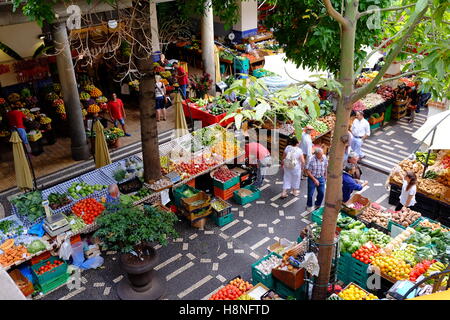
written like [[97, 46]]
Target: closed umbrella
[[435, 131], [24, 179], [181, 127], [217, 63], [102, 157]]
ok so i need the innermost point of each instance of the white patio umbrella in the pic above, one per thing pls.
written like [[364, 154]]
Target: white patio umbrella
[[435, 132]]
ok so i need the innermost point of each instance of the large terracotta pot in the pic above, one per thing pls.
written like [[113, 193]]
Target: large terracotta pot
[[113, 143], [143, 283]]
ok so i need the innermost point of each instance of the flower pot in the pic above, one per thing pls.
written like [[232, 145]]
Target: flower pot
[[113, 143], [142, 282]]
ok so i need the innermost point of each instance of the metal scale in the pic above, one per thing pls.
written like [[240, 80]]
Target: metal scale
[[54, 223]]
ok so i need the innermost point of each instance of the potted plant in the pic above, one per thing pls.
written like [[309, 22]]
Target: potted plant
[[112, 136], [131, 230]]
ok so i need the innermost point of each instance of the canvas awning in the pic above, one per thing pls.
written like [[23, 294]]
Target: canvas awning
[[440, 122]]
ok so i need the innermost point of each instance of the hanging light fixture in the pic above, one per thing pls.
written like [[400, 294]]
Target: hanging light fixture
[[112, 24]]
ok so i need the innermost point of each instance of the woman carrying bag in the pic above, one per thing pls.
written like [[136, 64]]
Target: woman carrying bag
[[161, 99], [292, 164]]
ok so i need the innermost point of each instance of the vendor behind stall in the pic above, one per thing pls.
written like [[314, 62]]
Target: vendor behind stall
[[15, 119], [113, 196], [258, 155]]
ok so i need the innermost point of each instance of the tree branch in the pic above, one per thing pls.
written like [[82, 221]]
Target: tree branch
[[402, 75], [362, 14], [361, 92], [334, 14]]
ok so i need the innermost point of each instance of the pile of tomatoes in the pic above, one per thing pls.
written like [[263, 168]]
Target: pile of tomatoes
[[88, 209], [48, 266], [366, 252], [228, 292], [420, 269]]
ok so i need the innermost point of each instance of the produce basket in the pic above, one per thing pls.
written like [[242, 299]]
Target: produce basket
[[178, 193], [225, 205], [227, 184], [199, 201], [223, 220], [130, 186], [348, 206], [244, 200], [22, 282], [49, 275], [259, 277]]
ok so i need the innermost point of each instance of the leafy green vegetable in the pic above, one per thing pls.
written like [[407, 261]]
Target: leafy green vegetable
[[29, 205], [5, 225], [119, 175], [36, 246], [419, 239]]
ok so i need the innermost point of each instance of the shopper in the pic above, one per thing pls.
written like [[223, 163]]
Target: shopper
[[423, 99], [182, 79], [316, 171], [160, 96], [117, 112], [348, 148], [258, 156], [360, 131], [408, 194], [306, 146], [15, 119], [292, 163], [113, 196], [353, 159], [413, 101], [348, 182]]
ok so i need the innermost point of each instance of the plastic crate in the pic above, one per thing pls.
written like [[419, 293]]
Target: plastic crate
[[316, 216], [259, 277], [226, 194], [393, 223], [49, 275], [224, 220], [223, 212], [53, 284], [285, 291], [243, 201], [387, 114], [178, 193], [227, 184]]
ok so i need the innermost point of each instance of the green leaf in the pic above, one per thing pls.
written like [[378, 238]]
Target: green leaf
[[238, 120]]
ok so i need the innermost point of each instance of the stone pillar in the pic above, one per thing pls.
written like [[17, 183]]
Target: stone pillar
[[154, 26], [80, 148], [208, 44], [247, 24]]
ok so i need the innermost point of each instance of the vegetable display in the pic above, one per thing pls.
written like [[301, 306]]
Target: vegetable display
[[229, 292], [377, 237], [81, 189], [366, 252], [58, 200], [13, 255], [407, 253], [29, 205], [76, 223], [267, 265], [351, 240], [49, 266], [419, 269], [405, 217], [353, 292], [386, 92], [88, 209], [36, 246], [223, 174]]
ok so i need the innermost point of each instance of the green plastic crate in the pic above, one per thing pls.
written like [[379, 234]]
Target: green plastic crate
[[227, 184], [49, 275], [258, 276], [224, 220], [285, 291], [53, 284], [375, 126], [412, 225], [178, 193], [243, 201], [317, 215], [387, 113]]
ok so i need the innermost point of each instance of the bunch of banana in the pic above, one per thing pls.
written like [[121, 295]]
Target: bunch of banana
[[437, 267], [370, 75]]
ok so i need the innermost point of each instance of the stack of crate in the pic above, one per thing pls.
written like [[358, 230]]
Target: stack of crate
[[224, 190], [399, 110]]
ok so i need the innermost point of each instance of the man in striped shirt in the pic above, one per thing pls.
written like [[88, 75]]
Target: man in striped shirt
[[316, 170]]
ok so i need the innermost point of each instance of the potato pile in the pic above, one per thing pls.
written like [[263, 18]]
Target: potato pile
[[431, 187], [412, 165], [371, 214], [405, 217]]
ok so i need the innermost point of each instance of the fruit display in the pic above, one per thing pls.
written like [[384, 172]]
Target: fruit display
[[318, 126], [372, 100], [52, 96], [329, 120], [89, 87], [49, 266], [13, 254], [266, 266], [13, 97], [45, 120], [93, 108], [366, 252], [226, 149], [29, 205], [88, 209], [58, 102], [84, 96], [101, 99], [229, 292], [422, 157], [358, 106], [398, 240], [407, 253], [57, 200], [343, 222], [79, 190], [437, 266], [95, 93], [195, 166], [76, 223], [405, 217], [433, 225], [352, 240], [392, 267], [245, 297], [420, 269], [36, 246], [386, 92], [353, 292], [378, 238], [241, 284], [223, 174]]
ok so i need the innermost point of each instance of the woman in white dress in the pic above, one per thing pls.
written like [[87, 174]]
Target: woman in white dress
[[292, 164]]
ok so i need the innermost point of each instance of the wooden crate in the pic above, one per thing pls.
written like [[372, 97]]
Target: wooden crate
[[293, 280]]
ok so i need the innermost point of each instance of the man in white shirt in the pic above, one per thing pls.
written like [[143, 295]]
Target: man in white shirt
[[360, 131], [306, 146]]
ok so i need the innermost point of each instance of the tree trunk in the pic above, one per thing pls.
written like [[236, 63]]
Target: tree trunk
[[333, 196]]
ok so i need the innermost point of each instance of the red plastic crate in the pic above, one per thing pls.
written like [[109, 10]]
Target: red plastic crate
[[226, 194], [40, 257], [191, 183]]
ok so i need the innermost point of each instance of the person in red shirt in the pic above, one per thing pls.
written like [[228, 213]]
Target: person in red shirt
[[182, 78], [15, 119], [258, 155], [117, 112]]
